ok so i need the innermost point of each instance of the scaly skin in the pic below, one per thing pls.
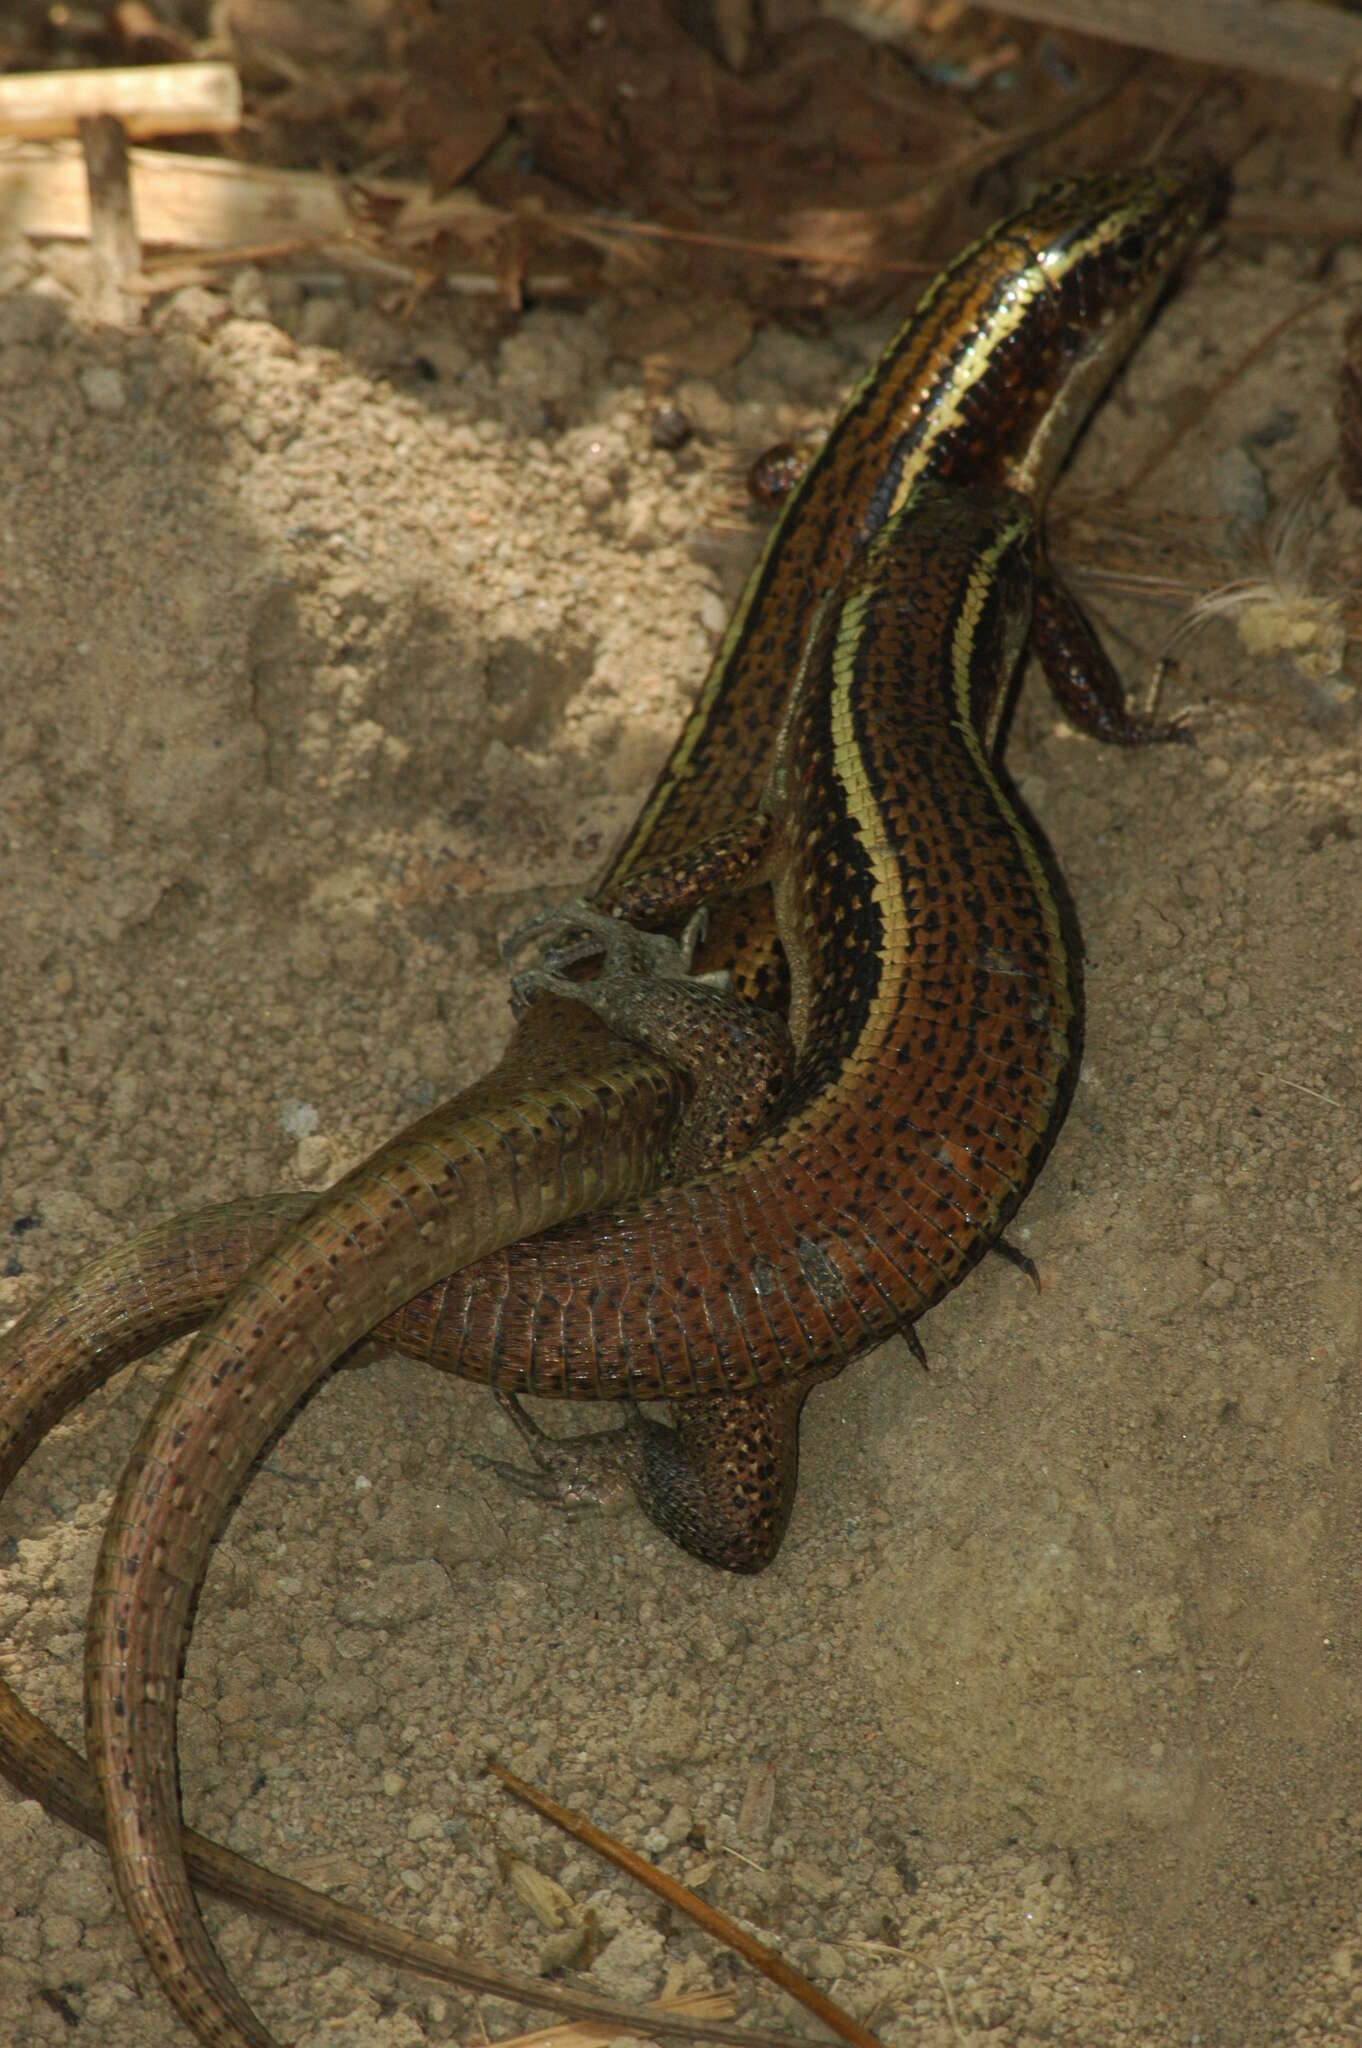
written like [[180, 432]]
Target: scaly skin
[[463, 1181], [989, 382], [936, 1017], [940, 1003], [167, 1282], [1042, 358], [122, 1307], [170, 1280]]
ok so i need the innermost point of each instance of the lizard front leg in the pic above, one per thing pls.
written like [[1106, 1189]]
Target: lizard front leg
[[735, 1056]]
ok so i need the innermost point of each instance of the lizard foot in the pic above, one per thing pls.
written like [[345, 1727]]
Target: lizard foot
[[737, 1057], [570, 933], [597, 1469], [1015, 1256]]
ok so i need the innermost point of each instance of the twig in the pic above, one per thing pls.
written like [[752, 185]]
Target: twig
[[114, 253], [47, 1769], [685, 1901], [693, 2004], [1283, 1081], [950, 2005], [149, 99]]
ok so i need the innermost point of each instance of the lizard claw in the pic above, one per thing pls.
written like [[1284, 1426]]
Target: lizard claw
[[570, 933], [572, 916], [590, 1470]]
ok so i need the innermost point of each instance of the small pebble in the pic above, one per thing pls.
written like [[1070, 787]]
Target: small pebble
[[103, 390], [312, 1161], [247, 295], [669, 427], [713, 613], [194, 310]]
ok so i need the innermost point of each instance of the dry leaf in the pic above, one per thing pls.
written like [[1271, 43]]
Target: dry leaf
[[552, 1907]]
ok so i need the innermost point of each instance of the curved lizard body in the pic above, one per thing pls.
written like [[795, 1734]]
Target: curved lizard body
[[939, 1003], [990, 379]]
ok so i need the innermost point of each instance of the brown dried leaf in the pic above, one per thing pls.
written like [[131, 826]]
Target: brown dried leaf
[[460, 214], [625, 110], [306, 29], [552, 1907], [468, 134], [838, 238], [145, 34]]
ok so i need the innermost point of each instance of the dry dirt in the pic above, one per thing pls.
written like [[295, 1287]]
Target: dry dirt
[[331, 644]]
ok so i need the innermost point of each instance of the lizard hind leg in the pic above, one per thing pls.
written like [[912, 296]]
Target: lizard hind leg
[[720, 1483]]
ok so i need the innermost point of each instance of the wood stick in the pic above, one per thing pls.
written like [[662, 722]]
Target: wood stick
[[1296, 40], [688, 1902], [700, 2004], [114, 252], [186, 202], [149, 99]]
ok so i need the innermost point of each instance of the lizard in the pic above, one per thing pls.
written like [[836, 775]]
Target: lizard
[[1076, 363]]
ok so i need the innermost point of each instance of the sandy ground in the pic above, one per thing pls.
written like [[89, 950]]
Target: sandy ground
[[332, 644]]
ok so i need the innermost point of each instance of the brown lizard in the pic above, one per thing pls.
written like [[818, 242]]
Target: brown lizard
[[1031, 455]]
